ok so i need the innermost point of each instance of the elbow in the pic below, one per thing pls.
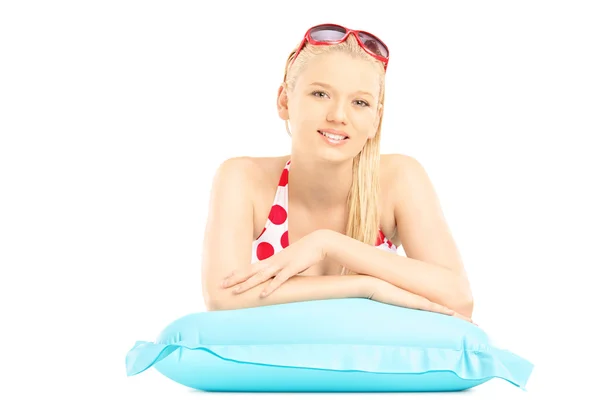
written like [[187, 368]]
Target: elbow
[[214, 299], [210, 298], [463, 299], [223, 301], [465, 307], [217, 303], [213, 305]]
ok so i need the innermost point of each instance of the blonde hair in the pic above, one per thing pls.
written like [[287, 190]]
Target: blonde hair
[[363, 200]]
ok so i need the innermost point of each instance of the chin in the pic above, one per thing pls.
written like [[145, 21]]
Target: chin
[[334, 156]]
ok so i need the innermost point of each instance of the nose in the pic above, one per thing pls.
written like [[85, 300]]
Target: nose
[[337, 113]]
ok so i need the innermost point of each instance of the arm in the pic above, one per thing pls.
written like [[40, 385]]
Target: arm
[[229, 226], [438, 284], [432, 267], [228, 244], [305, 288], [297, 288]]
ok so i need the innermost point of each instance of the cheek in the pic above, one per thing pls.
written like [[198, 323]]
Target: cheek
[[307, 114], [364, 122]]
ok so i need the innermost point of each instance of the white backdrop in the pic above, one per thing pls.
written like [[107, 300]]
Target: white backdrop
[[115, 114]]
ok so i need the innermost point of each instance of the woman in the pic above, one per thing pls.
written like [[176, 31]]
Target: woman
[[325, 221]]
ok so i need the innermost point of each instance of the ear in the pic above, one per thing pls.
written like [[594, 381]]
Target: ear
[[282, 102]]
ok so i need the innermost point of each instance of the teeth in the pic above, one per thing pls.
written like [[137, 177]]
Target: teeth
[[332, 136]]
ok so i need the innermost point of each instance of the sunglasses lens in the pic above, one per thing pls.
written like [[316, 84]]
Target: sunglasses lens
[[327, 33], [373, 44]]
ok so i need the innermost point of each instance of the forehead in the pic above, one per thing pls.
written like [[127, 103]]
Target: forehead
[[342, 72]]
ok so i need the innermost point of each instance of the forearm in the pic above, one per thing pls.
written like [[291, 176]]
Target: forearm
[[297, 288], [438, 284]]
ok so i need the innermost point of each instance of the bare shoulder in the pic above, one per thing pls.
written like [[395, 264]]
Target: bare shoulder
[[253, 170], [408, 184], [403, 175], [255, 179], [233, 168], [420, 221], [245, 178], [396, 166], [238, 187]]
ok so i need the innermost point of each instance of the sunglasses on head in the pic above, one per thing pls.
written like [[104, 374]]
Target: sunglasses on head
[[328, 34]]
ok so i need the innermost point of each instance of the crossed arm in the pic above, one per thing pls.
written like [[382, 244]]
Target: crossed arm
[[431, 276], [443, 285]]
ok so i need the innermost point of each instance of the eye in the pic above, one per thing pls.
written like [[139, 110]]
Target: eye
[[362, 103], [321, 94], [318, 93]]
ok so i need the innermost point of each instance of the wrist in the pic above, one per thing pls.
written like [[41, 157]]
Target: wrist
[[324, 239], [366, 285]]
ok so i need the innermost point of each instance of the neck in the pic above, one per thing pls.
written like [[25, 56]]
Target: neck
[[319, 184]]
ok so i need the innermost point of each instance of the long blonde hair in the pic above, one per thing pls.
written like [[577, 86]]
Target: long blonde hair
[[363, 200]]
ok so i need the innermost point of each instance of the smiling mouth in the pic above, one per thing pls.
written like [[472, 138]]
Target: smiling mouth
[[331, 136]]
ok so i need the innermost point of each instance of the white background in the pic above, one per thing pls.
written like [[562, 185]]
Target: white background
[[108, 111]]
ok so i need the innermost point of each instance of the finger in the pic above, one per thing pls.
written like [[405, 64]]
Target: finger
[[453, 313], [438, 308], [275, 283], [448, 311], [427, 305], [256, 279], [463, 317], [468, 319], [240, 275]]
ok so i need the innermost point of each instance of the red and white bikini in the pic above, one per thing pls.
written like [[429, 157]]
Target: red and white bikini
[[274, 236]]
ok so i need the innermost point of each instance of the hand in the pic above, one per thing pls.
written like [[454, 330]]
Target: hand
[[385, 292], [292, 260]]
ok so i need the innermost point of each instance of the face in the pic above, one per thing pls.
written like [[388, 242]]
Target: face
[[333, 108]]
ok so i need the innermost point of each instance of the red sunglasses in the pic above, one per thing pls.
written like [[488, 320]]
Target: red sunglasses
[[328, 34]]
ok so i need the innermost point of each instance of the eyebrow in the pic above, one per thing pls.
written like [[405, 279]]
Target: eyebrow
[[330, 87]]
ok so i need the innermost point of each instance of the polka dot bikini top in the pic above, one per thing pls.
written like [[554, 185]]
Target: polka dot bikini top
[[274, 236]]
